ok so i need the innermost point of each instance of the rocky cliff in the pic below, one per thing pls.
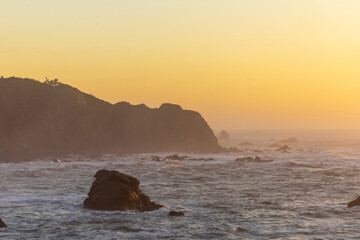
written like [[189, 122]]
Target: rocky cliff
[[39, 119]]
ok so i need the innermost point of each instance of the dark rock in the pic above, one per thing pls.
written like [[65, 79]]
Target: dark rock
[[201, 159], [224, 136], [174, 213], [354, 203], [251, 159], [113, 190], [2, 224], [175, 157], [284, 149]]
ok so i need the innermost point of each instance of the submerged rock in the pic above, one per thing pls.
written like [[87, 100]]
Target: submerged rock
[[2, 224], [354, 203], [175, 213], [113, 190], [251, 159]]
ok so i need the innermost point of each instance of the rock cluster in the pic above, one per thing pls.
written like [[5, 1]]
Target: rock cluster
[[176, 157], [251, 159]]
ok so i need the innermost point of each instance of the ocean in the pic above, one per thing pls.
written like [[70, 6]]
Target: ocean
[[302, 194]]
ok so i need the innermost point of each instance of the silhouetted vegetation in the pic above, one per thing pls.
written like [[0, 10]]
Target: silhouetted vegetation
[[54, 82]]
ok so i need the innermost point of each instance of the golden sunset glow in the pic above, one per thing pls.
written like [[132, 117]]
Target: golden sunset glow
[[241, 64]]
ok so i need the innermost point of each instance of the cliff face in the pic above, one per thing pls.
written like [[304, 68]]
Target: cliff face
[[42, 119]]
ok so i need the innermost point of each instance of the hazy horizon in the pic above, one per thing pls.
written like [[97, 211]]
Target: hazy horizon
[[241, 64]]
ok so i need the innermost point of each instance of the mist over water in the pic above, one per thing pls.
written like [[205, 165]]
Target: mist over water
[[300, 195]]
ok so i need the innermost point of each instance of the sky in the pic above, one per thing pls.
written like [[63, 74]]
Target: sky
[[243, 64]]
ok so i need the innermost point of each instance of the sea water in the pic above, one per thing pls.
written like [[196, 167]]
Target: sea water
[[300, 195]]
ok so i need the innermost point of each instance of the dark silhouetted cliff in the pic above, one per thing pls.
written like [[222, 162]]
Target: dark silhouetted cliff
[[41, 119]]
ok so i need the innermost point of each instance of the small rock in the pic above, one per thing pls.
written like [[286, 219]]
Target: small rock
[[2, 224], [354, 203], [240, 229], [175, 213]]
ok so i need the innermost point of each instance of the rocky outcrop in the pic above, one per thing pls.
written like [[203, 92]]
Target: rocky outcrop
[[224, 136], [46, 119], [175, 213], [113, 190], [251, 159], [2, 224], [354, 203]]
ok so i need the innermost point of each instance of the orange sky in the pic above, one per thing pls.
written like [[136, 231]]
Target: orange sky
[[241, 64]]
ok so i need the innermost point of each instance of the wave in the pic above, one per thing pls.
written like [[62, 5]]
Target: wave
[[293, 163]]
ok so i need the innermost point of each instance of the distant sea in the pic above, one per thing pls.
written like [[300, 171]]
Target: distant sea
[[302, 194]]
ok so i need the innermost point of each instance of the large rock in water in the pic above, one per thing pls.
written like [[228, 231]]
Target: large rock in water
[[2, 224], [113, 190], [224, 136], [354, 203]]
